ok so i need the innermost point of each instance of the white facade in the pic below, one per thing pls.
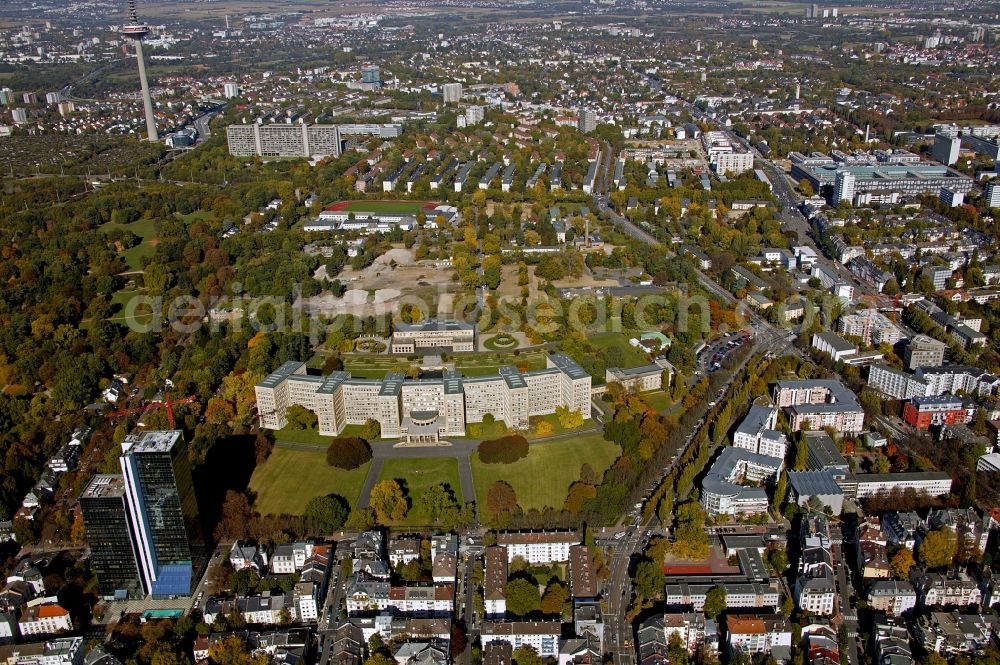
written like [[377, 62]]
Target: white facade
[[543, 636], [538, 547]]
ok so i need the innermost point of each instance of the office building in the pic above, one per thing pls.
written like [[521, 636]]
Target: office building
[[923, 351], [110, 537], [844, 187], [452, 92], [230, 90], [934, 483], [452, 336], [371, 75], [587, 121], [950, 198], [163, 510], [946, 149], [642, 378], [993, 194], [19, 116], [882, 178], [421, 410]]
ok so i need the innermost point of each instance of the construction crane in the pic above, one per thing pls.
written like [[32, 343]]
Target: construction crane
[[152, 406]]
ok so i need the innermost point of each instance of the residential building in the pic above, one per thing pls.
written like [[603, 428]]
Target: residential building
[[163, 510], [404, 550], [923, 412], [720, 493], [757, 432], [538, 547], [587, 121], [938, 590], [951, 633], [582, 579], [923, 351], [113, 557], [691, 628], [63, 651], [992, 195], [759, 633], [543, 636], [952, 379], [844, 187], [739, 595], [284, 140], [871, 326], [966, 523], [891, 597], [820, 403], [495, 582], [452, 93], [896, 384], [44, 616]]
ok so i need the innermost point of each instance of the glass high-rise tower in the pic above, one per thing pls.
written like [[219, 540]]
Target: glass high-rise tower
[[109, 533], [163, 510]]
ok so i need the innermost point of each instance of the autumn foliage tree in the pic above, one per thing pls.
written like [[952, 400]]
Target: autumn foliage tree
[[500, 501], [387, 501]]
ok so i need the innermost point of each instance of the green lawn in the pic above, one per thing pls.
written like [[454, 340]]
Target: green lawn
[[657, 399], [544, 476], [310, 436], [474, 364], [553, 420], [416, 475], [604, 341], [196, 216], [290, 478], [145, 229], [389, 207]]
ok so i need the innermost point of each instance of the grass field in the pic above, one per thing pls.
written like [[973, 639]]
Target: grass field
[[416, 475], [404, 207], [196, 216], [145, 229], [544, 476], [558, 429], [657, 399], [605, 341], [310, 436], [290, 478]]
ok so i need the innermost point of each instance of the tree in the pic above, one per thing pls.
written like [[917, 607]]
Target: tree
[[801, 454], [778, 558], [348, 452], [568, 419], [522, 597], [505, 450], [387, 501], [329, 511], [649, 579], [780, 490], [372, 429], [500, 500], [236, 517], [555, 597], [880, 464], [901, 563], [301, 418], [937, 549], [715, 602], [526, 655], [806, 188], [435, 502], [24, 532]]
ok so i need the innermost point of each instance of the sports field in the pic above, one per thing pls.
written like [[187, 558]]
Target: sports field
[[389, 207], [544, 476], [289, 478]]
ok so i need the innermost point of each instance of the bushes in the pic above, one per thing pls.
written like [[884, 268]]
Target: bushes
[[505, 450], [348, 452]]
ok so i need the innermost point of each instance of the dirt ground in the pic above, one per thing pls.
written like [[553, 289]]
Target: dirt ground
[[586, 279], [378, 288]]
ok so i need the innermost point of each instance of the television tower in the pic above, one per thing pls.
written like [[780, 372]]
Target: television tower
[[135, 32]]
